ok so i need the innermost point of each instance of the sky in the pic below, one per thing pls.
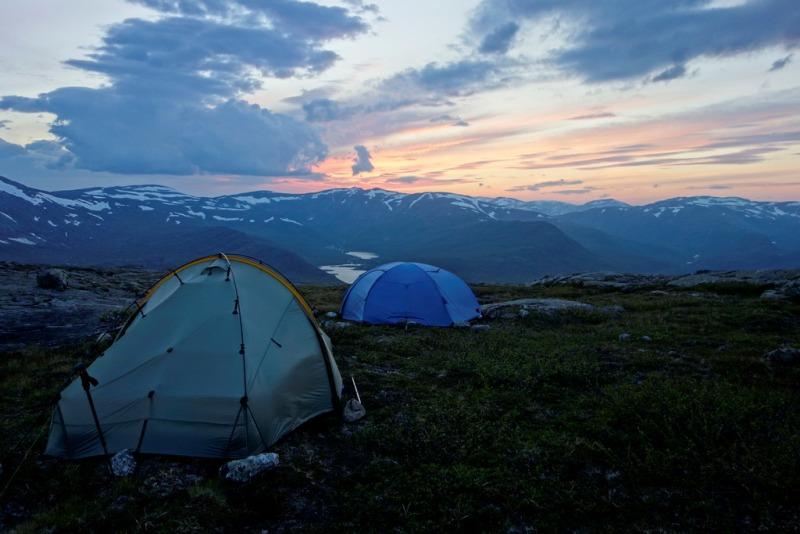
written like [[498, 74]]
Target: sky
[[571, 100]]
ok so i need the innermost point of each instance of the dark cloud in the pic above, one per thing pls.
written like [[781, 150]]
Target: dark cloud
[[459, 78], [542, 185], [432, 85], [10, 150], [306, 20], [672, 73], [780, 63], [362, 161], [172, 104], [4, 124], [499, 40], [38, 156], [326, 109], [633, 38]]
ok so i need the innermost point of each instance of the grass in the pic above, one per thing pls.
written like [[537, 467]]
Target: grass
[[547, 422]]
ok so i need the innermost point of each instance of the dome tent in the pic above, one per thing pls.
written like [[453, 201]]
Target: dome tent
[[404, 292], [221, 358]]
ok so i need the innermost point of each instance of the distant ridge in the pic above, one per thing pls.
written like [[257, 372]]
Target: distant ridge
[[482, 239]]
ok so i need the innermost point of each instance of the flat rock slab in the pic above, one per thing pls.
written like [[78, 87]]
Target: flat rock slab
[[540, 305], [31, 315], [784, 280], [606, 279]]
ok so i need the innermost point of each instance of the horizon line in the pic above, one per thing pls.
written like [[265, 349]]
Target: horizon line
[[332, 189]]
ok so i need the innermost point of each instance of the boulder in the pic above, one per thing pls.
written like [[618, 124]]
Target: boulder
[[501, 309], [605, 280], [246, 469], [479, 327], [624, 336], [353, 411], [772, 294], [783, 355], [331, 315], [52, 279], [791, 289], [123, 463]]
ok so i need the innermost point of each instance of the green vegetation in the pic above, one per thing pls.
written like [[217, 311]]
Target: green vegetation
[[547, 422]]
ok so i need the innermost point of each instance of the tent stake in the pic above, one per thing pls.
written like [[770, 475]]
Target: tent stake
[[355, 388]]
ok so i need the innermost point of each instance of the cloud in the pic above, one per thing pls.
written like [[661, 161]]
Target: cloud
[[453, 120], [424, 181], [432, 85], [306, 20], [627, 39], [37, 156], [590, 116], [457, 78], [404, 180], [672, 73], [780, 63], [363, 7], [172, 101], [579, 191], [362, 162], [499, 40], [715, 187], [542, 185]]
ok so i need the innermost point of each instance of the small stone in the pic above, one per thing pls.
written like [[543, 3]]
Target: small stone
[[246, 469], [771, 294], [353, 411], [123, 463], [331, 315], [783, 355], [52, 279], [523, 313], [479, 327], [646, 338], [612, 309], [624, 336]]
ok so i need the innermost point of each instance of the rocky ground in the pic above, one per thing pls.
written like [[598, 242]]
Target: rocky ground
[[91, 303], [588, 403]]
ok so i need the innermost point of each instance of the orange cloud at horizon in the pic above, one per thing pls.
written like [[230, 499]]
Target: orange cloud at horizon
[[635, 159]]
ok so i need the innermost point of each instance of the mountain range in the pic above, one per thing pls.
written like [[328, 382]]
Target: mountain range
[[482, 239]]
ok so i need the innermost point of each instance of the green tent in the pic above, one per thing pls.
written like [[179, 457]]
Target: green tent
[[221, 358]]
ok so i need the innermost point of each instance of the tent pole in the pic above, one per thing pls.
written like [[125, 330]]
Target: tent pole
[[88, 381], [237, 310], [233, 430]]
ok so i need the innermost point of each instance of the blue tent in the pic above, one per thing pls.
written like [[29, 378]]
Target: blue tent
[[410, 292]]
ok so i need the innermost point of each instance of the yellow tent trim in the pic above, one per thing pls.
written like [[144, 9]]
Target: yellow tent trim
[[241, 259]]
